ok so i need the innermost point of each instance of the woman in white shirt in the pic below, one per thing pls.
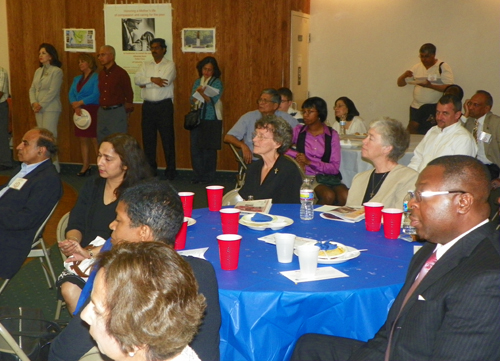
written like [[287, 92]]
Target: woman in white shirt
[[345, 109]]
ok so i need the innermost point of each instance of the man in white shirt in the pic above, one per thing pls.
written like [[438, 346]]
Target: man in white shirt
[[432, 77], [448, 137], [5, 156], [485, 127], [156, 79]]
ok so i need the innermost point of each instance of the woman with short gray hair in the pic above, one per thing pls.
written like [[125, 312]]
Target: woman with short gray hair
[[388, 183]]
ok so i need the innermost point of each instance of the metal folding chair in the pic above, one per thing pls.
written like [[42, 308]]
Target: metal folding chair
[[242, 167], [10, 346], [61, 235]]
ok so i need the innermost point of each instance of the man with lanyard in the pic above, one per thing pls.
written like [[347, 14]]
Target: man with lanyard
[[431, 77], [156, 79], [485, 128], [27, 199]]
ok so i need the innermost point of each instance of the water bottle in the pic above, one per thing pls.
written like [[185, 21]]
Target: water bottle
[[342, 126], [407, 227], [306, 200]]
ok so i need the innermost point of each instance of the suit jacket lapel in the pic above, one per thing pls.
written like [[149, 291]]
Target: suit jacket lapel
[[463, 248]]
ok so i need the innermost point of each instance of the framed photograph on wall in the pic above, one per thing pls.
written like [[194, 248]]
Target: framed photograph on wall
[[198, 40], [81, 40]]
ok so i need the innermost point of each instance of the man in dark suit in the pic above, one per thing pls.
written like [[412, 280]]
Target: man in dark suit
[[485, 127], [27, 199], [452, 312]]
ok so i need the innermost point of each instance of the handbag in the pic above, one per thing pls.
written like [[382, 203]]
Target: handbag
[[192, 119]]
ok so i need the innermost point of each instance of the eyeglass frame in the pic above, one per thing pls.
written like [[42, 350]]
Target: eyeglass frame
[[259, 136], [265, 101], [418, 195]]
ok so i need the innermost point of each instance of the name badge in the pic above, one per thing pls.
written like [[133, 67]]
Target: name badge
[[484, 137], [18, 183]]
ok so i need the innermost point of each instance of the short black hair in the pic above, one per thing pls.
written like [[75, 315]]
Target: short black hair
[[319, 104], [455, 90], [156, 204], [286, 92], [489, 98], [160, 41], [428, 48]]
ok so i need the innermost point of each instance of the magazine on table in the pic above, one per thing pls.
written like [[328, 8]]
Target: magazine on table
[[255, 206], [344, 213]]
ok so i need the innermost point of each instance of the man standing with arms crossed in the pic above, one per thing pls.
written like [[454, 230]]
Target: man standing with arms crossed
[[116, 95], [156, 79]]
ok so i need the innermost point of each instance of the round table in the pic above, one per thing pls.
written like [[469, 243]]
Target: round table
[[264, 313]]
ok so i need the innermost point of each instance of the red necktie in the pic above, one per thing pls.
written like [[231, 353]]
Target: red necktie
[[423, 271]]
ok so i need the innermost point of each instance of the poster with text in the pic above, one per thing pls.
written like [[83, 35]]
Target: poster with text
[[129, 29]]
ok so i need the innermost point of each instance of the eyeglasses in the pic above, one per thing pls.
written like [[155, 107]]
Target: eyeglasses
[[265, 101], [259, 136], [309, 111], [285, 100], [426, 194]]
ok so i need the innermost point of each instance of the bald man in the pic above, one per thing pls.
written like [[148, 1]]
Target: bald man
[[449, 306]]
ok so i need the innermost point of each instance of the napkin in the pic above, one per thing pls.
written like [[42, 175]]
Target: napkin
[[326, 246], [197, 252], [259, 217], [322, 273]]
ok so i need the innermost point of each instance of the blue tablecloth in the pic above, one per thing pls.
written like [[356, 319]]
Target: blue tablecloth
[[264, 313]]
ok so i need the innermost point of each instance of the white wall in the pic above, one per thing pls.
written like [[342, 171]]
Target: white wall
[[360, 47]]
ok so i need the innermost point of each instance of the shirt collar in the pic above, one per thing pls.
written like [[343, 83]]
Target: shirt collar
[[441, 249]]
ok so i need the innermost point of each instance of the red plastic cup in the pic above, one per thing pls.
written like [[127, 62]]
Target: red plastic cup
[[214, 196], [187, 202], [230, 218], [373, 216], [229, 251], [392, 222], [180, 239]]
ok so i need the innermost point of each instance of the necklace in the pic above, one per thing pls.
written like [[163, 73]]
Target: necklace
[[375, 187]]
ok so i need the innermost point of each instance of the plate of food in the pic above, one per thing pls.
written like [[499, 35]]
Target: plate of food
[[274, 222], [333, 252]]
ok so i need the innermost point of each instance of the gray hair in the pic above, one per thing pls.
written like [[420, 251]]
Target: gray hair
[[110, 49], [282, 131], [275, 96], [393, 134]]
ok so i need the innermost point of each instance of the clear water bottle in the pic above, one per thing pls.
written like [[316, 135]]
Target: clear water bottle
[[342, 126], [306, 200], [407, 227]]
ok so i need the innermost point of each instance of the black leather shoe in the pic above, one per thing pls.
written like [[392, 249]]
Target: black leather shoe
[[85, 173]]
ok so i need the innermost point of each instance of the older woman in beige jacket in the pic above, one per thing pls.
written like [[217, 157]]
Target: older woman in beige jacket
[[389, 182]]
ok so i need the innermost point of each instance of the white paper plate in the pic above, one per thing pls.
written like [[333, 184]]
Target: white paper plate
[[341, 258], [277, 223], [191, 221]]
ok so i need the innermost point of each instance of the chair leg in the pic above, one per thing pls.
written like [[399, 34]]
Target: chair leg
[[60, 305], [4, 284], [46, 252]]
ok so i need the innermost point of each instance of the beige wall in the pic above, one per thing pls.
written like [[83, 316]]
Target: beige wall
[[4, 46], [360, 47]]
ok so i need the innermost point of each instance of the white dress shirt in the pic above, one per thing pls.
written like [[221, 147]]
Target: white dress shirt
[[165, 69]]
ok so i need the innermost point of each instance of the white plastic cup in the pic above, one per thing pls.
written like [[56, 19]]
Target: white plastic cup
[[284, 246], [308, 260]]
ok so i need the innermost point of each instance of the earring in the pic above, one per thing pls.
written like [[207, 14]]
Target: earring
[[131, 354]]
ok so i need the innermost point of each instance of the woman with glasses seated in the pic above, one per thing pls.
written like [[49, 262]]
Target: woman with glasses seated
[[273, 175], [346, 110], [389, 182], [318, 152]]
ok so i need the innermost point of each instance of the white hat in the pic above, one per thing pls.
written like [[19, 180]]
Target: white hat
[[83, 121]]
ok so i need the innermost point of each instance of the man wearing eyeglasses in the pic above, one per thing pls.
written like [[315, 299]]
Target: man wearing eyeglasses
[[240, 135], [449, 306], [448, 137], [431, 77], [485, 128]]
